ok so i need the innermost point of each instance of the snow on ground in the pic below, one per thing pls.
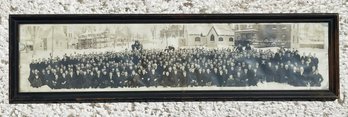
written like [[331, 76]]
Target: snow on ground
[[28, 57]]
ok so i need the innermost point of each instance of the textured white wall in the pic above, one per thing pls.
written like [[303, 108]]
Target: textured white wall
[[237, 108]]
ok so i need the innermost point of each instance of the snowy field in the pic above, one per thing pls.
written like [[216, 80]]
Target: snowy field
[[27, 57]]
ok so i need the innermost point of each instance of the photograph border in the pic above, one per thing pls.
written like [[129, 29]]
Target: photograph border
[[133, 96]]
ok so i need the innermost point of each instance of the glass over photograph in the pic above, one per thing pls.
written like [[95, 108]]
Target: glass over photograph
[[173, 57]]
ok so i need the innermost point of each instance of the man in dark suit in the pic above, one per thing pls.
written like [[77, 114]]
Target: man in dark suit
[[115, 81], [42, 73], [176, 78], [166, 79], [136, 80], [103, 80], [240, 79], [230, 81], [69, 78], [78, 79], [315, 60], [62, 81], [269, 72], [36, 80], [252, 77], [54, 82], [49, 78], [287, 74], [214, 78], [277, 74], [295, 78], [316, 79], [154, 78], [248, 47], [200, 77], [191, 77], [304, 80], [96, 80], [220, 78]]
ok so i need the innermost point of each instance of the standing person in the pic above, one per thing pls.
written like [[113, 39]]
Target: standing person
[[147, 77], [180, 80], [95, 79], [176, 78], [116, 79], [230, 81], [232, 71], [154, 78], [42, 75], [287, 74], [200, 77], [304, 80], [315, 60], [69, 78], [252, 77], [166, 80], [54, 82], [248, 47], [240, 79], [84, 78], [207, 77], [269, 73], [316, 79], [264, 70], [277, 74], [185, 79], [220, 78], [36, 81], [294, 79], [245, 78], [62, 82], [103, 80], [78, 80], [192, 79], [137, 82], [225, 76], [32, 76], [49, 78], [125, 80], [214, 77], [90, 79]]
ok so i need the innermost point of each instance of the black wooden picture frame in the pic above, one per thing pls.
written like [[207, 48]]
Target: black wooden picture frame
[[130, 96]]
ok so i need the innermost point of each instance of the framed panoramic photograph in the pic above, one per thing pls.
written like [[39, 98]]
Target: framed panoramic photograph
[[173, 57]]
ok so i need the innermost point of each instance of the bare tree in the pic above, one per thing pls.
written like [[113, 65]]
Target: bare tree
[[153, 32], [34, 31]]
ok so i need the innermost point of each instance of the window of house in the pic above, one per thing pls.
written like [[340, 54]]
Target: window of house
[[221, 39], [212, 38], [197, 39], [230, 39]]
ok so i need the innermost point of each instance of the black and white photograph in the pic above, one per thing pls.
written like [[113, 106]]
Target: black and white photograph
[[173, 57]]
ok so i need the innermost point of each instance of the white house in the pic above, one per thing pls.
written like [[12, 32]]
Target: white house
[[209, 36]]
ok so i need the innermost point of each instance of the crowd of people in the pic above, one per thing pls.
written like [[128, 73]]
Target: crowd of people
[[177, 68]]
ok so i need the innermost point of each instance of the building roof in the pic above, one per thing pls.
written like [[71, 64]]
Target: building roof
[[198, 29], [205, 29]]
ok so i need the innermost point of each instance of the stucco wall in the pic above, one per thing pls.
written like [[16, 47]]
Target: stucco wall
[[241, 108]]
